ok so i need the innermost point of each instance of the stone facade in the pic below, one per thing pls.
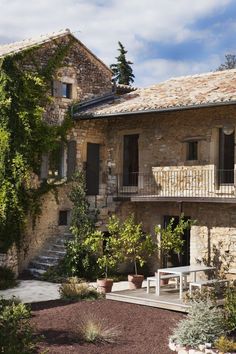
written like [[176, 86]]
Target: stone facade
[[163, 167], [87, 77], [162, 151]]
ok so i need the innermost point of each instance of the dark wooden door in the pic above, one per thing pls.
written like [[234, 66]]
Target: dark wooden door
[[92, 169], [130, 160], [174, 259], [226, 158]]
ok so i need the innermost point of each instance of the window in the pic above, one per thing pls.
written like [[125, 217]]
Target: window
[[66, 90], [61, 89], [130, 160], [63, 217], [56, 162], [60, 162], [226, 157], [192, 150]]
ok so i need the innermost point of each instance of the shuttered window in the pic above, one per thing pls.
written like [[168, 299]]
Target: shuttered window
[[71, 158], [60, 162], [61, 89]]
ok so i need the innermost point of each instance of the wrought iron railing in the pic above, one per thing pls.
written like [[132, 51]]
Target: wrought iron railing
[[179, 182]]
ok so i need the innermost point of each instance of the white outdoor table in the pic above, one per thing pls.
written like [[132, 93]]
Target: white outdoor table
[[181, 271]]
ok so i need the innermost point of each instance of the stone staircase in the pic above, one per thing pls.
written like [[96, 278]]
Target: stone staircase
[[49, 256]]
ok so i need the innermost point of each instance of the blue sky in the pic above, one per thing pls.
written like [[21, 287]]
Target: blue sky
[[164, 38]]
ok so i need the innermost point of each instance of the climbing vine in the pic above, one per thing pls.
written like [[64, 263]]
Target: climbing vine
[[24, 136]]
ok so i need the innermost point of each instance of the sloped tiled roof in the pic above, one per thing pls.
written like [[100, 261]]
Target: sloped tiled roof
[[182, 92], [12, 48]]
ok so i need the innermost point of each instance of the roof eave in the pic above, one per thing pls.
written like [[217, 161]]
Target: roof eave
[[88, 116]]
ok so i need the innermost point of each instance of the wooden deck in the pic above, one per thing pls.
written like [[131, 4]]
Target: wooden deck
[[168, 299]]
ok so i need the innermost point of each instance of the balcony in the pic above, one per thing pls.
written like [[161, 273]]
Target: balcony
[[200, 184]]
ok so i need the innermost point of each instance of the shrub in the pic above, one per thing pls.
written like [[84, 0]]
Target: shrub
[[203, 324], [74, 289], [94, 330], [198, 295], [55, 274], [230, 308], [16, 334], [80, 260], [7, 278], [225, 345]]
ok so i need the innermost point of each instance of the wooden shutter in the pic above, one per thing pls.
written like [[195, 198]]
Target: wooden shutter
[[92, 170], [44, 167], [71, 158], [56, 88]]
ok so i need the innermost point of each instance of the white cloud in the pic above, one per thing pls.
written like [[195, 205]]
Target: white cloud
[[101, 23], [157, 70]]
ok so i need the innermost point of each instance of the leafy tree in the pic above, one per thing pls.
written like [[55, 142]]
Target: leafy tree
[[230, 63], [171, 238], [123, 72]]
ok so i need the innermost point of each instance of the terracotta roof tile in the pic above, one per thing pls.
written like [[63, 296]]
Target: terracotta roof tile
[[188, 91]]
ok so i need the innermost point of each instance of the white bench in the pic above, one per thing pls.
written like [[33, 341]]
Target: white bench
[[166, 276], [201, 283]]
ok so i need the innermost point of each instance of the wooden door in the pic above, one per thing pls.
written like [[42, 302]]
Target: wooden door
[[92, 169]]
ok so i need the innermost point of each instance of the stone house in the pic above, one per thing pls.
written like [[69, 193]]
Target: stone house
[[156, 152], [81, 76], [166, 150]]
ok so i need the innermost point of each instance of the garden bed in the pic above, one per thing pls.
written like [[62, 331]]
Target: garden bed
[[142, 329]]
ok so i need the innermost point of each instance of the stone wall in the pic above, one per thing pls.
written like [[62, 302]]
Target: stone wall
[[89, 78], [162, 147], [10, 260]]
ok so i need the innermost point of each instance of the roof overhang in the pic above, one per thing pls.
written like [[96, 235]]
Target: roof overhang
[[91, 116]]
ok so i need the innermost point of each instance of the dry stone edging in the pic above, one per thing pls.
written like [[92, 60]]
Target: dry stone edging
[[202, 349]]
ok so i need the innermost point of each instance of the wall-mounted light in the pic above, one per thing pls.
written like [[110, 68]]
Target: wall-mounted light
[[228, 129]]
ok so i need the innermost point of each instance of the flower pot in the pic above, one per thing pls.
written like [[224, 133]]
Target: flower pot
[[163, 281], [135, 281], [104, 285]]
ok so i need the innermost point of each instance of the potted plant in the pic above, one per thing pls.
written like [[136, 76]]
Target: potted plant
[[136, 248], [171, 240], [108, 251]]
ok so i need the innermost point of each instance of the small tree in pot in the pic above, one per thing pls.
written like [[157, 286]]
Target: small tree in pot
[[136, 248], [171, 239], [108, 252]]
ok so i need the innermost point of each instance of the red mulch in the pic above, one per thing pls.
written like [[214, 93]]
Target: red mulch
[[142, 329]]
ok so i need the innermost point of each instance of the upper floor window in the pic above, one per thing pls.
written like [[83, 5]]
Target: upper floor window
[[66, 90], [192, 150], [61, 89]]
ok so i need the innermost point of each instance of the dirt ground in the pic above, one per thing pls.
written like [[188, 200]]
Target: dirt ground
[[141, 329]]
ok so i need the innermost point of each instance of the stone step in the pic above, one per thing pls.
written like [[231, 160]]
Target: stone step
[[56, 253], [47, 259], [41, 265], [37, 273], [50, 255]]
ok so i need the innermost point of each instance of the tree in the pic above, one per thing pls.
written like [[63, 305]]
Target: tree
[[230, 63], [123, 72]]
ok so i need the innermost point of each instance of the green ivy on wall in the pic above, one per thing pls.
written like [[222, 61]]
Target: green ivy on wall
[[24, 136]]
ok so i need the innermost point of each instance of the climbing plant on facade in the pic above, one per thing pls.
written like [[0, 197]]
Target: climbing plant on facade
[[24, 135]]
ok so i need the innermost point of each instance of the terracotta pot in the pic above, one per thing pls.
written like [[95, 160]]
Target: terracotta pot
[[163, 281], [135, 281], [104, 285]]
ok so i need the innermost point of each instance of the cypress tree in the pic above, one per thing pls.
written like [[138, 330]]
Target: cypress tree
[[123, 72]]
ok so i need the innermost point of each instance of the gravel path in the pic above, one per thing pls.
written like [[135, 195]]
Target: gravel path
[[143, 330]]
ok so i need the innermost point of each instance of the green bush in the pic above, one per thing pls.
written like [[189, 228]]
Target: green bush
[[7, 278], [16, 334], [75, 289], [198, 295], [80, 261], [230, 308], [204, 323]]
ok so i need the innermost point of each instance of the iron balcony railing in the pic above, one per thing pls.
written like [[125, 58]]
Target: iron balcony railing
[[180, 182]]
